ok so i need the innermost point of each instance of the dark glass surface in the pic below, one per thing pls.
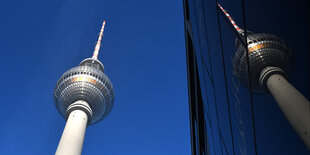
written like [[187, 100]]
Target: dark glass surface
[[235, 120]]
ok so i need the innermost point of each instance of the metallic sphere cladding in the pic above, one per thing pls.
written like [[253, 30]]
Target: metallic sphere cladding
[[86, 82], [263, 50]]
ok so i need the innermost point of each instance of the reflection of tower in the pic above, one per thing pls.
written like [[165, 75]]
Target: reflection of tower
[[269, 61], [83, 95]]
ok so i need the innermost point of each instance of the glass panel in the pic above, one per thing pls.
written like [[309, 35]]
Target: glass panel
[[285, 20]]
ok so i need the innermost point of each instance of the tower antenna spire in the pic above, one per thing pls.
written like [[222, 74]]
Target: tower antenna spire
[[98, 44], [230, 19]]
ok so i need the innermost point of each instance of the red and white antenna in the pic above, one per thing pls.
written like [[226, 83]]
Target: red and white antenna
[[230, 19], [98, 44]]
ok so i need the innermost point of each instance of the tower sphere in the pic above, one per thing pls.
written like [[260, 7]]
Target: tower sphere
[[264, 50], [89, 83]]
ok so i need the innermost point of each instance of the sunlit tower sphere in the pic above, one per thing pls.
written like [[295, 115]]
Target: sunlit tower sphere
[[263, 62], [86, 82], [83, 95]]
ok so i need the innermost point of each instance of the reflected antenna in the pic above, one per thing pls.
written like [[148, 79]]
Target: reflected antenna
[[230, 19], [238, 32]]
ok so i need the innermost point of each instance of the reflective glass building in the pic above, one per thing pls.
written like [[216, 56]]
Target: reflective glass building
[[227, 118]]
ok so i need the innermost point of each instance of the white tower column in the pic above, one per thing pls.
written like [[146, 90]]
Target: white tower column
[[86, 82], [293, 104], [72, 138]]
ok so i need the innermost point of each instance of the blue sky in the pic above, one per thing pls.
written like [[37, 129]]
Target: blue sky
[[144, 56]]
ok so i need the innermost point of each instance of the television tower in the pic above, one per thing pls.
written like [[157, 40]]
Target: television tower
[[83, 95], [270, 62]]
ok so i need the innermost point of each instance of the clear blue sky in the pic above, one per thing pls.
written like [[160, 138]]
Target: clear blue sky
[[144, 56]]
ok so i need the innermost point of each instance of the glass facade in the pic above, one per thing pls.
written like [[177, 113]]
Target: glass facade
[[226, 117]]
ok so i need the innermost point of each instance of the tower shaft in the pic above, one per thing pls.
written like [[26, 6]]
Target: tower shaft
[[72, 138], [293, 104]]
